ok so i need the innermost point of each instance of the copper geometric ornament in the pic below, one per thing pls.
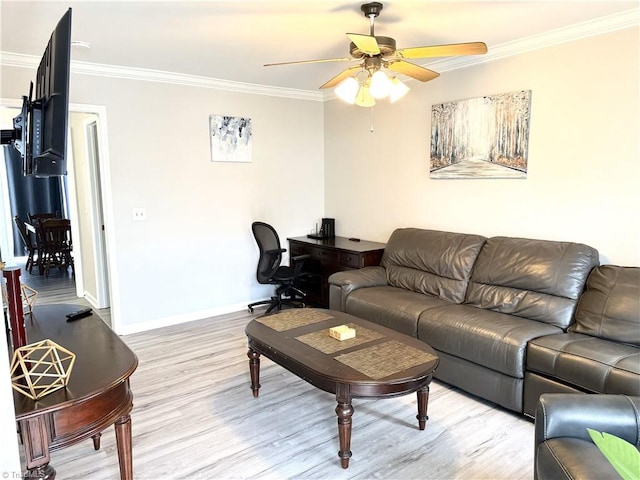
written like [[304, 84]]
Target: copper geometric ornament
[[29, 296], [41, 368]]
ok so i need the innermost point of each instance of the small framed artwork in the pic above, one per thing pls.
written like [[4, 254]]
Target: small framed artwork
[[231, 138], [484, 137]]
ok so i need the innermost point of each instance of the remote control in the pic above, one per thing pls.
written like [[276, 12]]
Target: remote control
[[85, 312], [353, 239]]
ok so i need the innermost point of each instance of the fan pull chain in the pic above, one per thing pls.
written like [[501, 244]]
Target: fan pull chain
[[371, 130]]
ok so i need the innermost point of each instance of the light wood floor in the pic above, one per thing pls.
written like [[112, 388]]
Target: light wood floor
[[194, 417]]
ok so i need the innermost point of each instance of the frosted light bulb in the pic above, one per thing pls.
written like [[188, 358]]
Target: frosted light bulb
[[347, 90], [398, 90], [380, 85]]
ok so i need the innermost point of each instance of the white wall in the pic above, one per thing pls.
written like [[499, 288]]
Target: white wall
[[195, 255], [583, 180]]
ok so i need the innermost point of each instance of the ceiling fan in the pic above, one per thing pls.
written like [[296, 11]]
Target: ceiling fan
[[363, 83]]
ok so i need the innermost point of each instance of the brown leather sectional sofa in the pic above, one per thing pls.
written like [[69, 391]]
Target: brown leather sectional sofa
[[509, 317]]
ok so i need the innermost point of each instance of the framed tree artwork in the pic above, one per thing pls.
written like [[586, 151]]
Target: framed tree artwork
[[484, 137]]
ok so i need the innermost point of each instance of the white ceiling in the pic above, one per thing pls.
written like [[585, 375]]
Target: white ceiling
[[231, 40]]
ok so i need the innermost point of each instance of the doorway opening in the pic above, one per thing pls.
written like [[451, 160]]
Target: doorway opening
[[82, 198]]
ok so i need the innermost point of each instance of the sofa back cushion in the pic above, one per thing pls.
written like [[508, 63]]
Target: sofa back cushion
[[536, 279], [610, 307], [431, 262]]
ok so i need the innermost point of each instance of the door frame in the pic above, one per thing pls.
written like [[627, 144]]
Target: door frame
[[106, 197], [101, 172], [92, 152]]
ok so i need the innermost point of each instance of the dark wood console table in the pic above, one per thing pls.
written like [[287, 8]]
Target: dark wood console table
[[330, 256], [97, 395]]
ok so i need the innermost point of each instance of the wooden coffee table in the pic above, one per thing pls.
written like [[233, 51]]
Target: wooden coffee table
[[378, 362]]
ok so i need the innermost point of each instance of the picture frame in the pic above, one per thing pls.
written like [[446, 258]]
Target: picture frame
[[483, 137], [231, 139]]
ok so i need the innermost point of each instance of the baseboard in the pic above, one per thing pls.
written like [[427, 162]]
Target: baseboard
[[93, 301], [178, 319]]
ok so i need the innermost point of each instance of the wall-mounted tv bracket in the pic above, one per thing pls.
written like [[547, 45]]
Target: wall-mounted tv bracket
[[30, 116]]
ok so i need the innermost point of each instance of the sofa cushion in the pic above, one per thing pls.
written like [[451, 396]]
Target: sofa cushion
[[505, 390], [391, 307], [536, 279], [610, 307], [493, 340], [589, 363], [432, 262]]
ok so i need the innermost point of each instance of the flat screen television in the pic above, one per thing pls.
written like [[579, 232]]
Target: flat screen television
[[40, 130]]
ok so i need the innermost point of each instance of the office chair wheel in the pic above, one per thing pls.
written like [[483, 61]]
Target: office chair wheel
[[250, 309]]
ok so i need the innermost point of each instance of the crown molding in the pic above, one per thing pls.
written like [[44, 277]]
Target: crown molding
[[131, 73], [599, 26]]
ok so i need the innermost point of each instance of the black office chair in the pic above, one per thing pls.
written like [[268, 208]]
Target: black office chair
[[270, 272]]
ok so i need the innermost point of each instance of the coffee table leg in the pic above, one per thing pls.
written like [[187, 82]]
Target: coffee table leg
[[344, 410], [423, 399], [254, 370]]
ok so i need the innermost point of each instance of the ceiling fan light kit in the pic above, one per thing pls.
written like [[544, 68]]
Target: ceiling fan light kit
[[377, 87], [378, 54]]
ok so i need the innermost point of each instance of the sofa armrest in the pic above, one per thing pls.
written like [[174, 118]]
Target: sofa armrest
[[341, 284], [569, 415]]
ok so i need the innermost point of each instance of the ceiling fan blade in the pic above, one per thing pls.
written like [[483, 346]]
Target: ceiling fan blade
[[414, 71], [365, 43], [341, 76], [301, 62], [453, 49]]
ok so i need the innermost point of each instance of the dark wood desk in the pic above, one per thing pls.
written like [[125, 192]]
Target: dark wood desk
[[329, 256], [97, 395]]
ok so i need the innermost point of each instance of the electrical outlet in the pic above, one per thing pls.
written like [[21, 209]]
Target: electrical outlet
[[139, 214]]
